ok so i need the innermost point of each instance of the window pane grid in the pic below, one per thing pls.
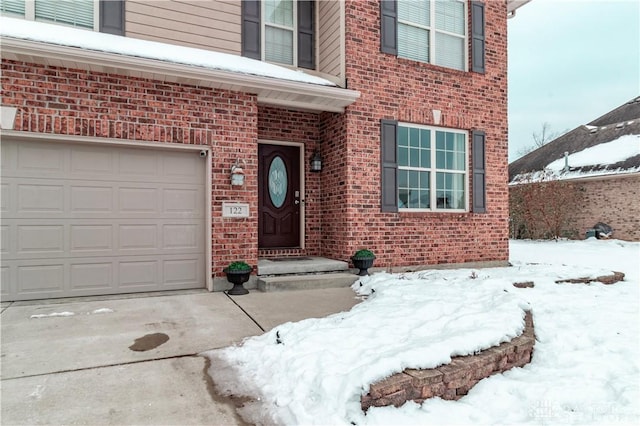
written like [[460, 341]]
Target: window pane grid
[[414, 189], [449, 190], [432, 169]]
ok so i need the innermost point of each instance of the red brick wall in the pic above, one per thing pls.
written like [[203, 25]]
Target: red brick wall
[[613, 201], [336, 232], [401, 89], [343, 202], [75, 102], [283, 125]]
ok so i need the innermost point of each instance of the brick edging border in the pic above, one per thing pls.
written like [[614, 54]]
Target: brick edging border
[[454, 380]]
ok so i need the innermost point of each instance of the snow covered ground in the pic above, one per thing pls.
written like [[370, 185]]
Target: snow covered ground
[[585, 367]]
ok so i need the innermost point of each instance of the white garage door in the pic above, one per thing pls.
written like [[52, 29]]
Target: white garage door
[[86, 219]]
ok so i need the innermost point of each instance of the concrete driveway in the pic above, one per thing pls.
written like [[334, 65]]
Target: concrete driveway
[[134, 359]]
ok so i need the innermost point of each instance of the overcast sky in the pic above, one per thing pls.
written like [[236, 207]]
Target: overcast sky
[[570, 61]]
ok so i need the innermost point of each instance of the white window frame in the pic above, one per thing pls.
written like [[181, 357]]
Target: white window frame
[[30, 14], [432, 35], [263, 41], [433, 170]]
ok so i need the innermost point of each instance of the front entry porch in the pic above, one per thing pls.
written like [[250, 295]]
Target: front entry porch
[[303, 273]]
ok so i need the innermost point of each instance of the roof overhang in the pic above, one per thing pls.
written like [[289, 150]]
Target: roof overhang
[[270, 90], [512, 5]]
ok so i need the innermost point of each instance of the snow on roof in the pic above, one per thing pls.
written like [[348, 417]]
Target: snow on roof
[[91, 40], [612, 152], [550, 175], [590, 162]]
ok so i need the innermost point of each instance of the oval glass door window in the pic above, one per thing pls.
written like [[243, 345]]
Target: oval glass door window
[[277, 182]]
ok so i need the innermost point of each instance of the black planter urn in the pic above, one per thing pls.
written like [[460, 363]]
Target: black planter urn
[[237, 278], [363, 263]]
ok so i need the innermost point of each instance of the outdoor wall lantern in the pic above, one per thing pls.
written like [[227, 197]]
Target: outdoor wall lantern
[[237, 174], [316, 162]]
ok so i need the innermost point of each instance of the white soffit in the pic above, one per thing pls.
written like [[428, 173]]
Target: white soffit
[[512, 5]]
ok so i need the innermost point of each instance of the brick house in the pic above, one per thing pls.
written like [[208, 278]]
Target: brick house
[[601, 160], [124, 123]]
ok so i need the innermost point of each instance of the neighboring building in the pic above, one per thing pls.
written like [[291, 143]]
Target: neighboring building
[[117, 165], [603, 161]]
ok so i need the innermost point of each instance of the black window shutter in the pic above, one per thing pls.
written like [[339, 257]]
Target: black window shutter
[[479, 181], [388, 27], [112, 17], [477, 36], [388, 166], [306, 38], [251, 29]]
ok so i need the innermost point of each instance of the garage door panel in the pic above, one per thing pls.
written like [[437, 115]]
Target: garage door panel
[[138, 163], [138, 237], [5, 239], [40, 198], [6, 287], [180, 237], [92, 161], [41, 279], [182, 201], [181, 271], [91, 276], [100, 220], [91, 199], [138, 200], [8, 159], [94, 238], [4, 196], [48, 239], [183, 168], [41, 158], [138, 273]]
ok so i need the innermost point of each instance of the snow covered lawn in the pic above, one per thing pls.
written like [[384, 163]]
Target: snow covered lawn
[[585, 367]]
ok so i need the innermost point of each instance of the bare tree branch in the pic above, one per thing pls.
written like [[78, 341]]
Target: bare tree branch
[[541, 138]]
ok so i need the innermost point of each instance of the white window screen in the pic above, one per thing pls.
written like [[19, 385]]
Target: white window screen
[[12, 6], [279, 45], [415, 11], [449, 51], [78, 13], [413, 42], [450, 16]]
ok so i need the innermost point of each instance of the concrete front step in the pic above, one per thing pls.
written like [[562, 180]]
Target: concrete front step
[[300, 265], [306, 282]]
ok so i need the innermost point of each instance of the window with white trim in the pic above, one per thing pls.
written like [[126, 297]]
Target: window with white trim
[[432, 168], [76, 13], [433, 31], [280, 28]]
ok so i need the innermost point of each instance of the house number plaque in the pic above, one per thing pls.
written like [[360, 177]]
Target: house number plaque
[[235, 209]]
